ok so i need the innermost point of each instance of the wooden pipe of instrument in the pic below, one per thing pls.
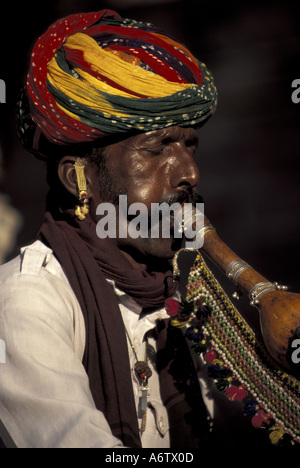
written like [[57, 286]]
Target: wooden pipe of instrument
[[279, 310]]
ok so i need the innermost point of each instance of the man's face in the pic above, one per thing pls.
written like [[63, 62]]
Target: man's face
[[152, 167]]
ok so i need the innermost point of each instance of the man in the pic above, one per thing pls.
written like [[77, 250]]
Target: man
[[112, 104], [88, 356]]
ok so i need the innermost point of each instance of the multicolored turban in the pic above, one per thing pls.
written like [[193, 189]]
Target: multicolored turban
[[97, 74]]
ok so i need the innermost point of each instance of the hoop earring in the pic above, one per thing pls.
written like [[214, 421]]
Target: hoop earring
[[82, 209]]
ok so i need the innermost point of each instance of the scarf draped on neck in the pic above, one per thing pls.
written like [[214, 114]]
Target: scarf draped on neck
[[88, 262]]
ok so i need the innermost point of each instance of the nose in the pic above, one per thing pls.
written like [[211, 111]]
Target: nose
[[185, 174]]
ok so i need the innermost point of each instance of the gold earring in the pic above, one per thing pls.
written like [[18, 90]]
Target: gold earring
[[82, 209]]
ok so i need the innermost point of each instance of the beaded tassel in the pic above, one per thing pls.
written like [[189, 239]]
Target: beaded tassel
[[239, 365]]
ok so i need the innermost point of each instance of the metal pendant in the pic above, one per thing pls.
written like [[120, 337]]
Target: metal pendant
[[142, 370], [145, 393]]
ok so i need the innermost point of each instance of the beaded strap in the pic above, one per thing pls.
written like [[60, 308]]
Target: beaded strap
[[240, 366]]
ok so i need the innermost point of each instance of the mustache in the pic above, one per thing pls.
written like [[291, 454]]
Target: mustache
[[182, 197]]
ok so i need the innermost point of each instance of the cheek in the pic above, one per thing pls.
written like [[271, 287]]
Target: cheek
[[144, 194], [143, 182]]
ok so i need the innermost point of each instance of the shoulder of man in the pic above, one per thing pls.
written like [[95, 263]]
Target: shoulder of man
[[34, 259], [35, 293], [36, 271]]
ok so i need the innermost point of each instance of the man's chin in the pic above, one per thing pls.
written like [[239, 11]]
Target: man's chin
[[162, 248], [145, 251]]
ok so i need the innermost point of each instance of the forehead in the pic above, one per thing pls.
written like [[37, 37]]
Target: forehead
[[173, 133]]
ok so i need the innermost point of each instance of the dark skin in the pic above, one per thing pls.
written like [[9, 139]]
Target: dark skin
[[149, 167]]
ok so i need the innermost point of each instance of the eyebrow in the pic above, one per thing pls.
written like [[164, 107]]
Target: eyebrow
[[164, 136], [154, 135]]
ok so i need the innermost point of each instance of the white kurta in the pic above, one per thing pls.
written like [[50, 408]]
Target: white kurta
[[45, 399]]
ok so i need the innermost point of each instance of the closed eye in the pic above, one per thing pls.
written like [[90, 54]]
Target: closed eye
[[156, 150], [159, 147], [193, 143]]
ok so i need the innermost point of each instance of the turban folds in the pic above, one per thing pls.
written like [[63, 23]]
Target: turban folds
[[97, 74]]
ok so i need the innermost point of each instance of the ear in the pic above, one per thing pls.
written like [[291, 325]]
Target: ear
[[68, 178], [66, 174]]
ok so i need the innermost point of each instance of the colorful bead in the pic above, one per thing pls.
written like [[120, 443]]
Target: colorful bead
[[240, 365]]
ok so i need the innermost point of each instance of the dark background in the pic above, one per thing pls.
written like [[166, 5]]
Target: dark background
[[249, 150]]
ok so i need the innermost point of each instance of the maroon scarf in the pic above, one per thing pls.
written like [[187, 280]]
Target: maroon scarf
[[87, 261]]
